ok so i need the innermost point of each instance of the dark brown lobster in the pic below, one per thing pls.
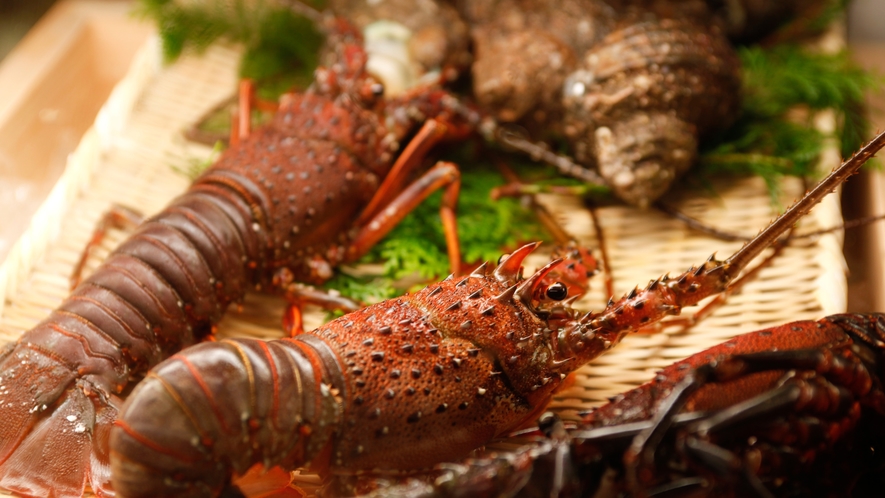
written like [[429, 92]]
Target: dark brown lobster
[[313, 189], [399, 385], [782, 410]]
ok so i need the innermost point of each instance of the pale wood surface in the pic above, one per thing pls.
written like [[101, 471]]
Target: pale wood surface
[[51, 86]]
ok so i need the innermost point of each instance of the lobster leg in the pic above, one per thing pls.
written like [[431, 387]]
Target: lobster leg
[[119, 217], [299, 294], [430, 134], [444, 174], [542, 213], [241, 117], [827, 390], [241, 120]]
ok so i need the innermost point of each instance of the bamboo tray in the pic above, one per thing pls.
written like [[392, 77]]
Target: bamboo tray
[[134, 152]]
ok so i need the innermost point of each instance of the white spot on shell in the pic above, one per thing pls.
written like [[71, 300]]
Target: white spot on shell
[[578, 88]]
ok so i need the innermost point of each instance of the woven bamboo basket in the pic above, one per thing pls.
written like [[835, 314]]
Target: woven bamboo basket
[[134, 153]]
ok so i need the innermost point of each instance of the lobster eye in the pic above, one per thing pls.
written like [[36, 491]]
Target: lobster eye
[[557, 291], [370, 91], [377, 90]]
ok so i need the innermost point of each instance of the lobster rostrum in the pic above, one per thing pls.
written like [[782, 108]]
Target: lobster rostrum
[[399, 385], [314, 188]]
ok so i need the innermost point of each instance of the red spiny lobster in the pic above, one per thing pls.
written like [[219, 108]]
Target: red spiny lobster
[[276, 209], [399, 385]]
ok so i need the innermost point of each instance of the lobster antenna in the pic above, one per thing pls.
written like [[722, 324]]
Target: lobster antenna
[[766, 237], [540, 152]]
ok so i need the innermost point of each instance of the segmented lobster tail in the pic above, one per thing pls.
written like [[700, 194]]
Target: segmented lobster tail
[[158, 292], [206, 412]]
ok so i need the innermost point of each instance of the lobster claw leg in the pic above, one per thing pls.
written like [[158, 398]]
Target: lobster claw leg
[[394, 199], [725, 464]]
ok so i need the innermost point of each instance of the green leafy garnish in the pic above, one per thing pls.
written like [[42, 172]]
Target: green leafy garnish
[[485, 228], [783, 88], [281, 46], [416, 247]]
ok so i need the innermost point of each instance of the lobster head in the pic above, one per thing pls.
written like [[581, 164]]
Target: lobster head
[[346, 73], [525, 327]]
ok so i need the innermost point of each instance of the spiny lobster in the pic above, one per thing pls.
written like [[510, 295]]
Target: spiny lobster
[[791, 410], [311, 190], [783, 408], [399, 385]]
